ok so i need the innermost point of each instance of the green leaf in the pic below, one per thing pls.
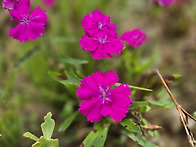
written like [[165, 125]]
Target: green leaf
[[48, 142], [37, 144], [130, 125], [97, 137], [151, 133], [156, 133], [55, 75], [48, 126], [141, 141], [162, 103], [67, 122], [72, 79], [138, 104], [144, 109], [135, 87], [31, 136], [43, 142], [74, 61], [176, 76]]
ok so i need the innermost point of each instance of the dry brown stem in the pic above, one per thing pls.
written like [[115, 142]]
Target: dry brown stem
[[184, 115]]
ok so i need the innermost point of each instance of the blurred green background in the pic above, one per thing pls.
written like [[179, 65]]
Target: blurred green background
[[28, 92]]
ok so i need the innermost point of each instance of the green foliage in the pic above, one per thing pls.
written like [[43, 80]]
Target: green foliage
[[135, 87], [72, 79], [48, 126], [130, 125], [68, 121], [31, 136], [43, 142], [176, 76], [74, 61], [47, 129], [141, 140], [97, 137], [194, 114], [140, 106]]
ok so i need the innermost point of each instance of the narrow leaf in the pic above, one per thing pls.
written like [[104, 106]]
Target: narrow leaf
[[141, 141], [73, 79], [74, 61], [48, 126], [176, 76], [67, 122], [97, 137], [138, 104], [135, 87], [130, 125], [31, 136]]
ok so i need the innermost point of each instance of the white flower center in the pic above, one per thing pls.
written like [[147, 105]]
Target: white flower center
[[104, 95], [102, 40], [25, 19], [101, 25]]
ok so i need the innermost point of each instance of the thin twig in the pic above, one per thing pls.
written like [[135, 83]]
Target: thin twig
[[183, 113], [166, 87]]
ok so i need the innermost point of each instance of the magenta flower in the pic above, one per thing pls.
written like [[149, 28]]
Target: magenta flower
[[31, 25], [97, 22], [9, 4], [48, 3], [101, 45], [101, 101], [135, 38], [163, 3]]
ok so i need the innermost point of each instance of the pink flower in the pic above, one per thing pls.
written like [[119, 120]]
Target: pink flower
[[9, 4], [101, 101], [97, 22], [31, 25], [165, 2], [135, 38], [101, 45], [48, 3]]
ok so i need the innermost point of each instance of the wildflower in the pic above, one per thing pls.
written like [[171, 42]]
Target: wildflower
[[101, 45], [97, 22], [101, 101], [163, 3], [135, 38], [31, 25], [48, 3], [9, 4]]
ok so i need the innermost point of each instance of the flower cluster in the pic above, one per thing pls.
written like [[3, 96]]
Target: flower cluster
[[101, 101], [164, 3], [30, 26], [101, 39], [100, 36]]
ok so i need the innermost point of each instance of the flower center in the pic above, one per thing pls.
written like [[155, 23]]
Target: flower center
[[135, 36], [104, 95], [101, 25], [25, 19], [102, 40]]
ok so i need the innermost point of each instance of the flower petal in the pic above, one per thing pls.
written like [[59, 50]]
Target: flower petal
[[38, 15], [114, 111], [110, 78], [21, 9], [84, 93], [92, 109]]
